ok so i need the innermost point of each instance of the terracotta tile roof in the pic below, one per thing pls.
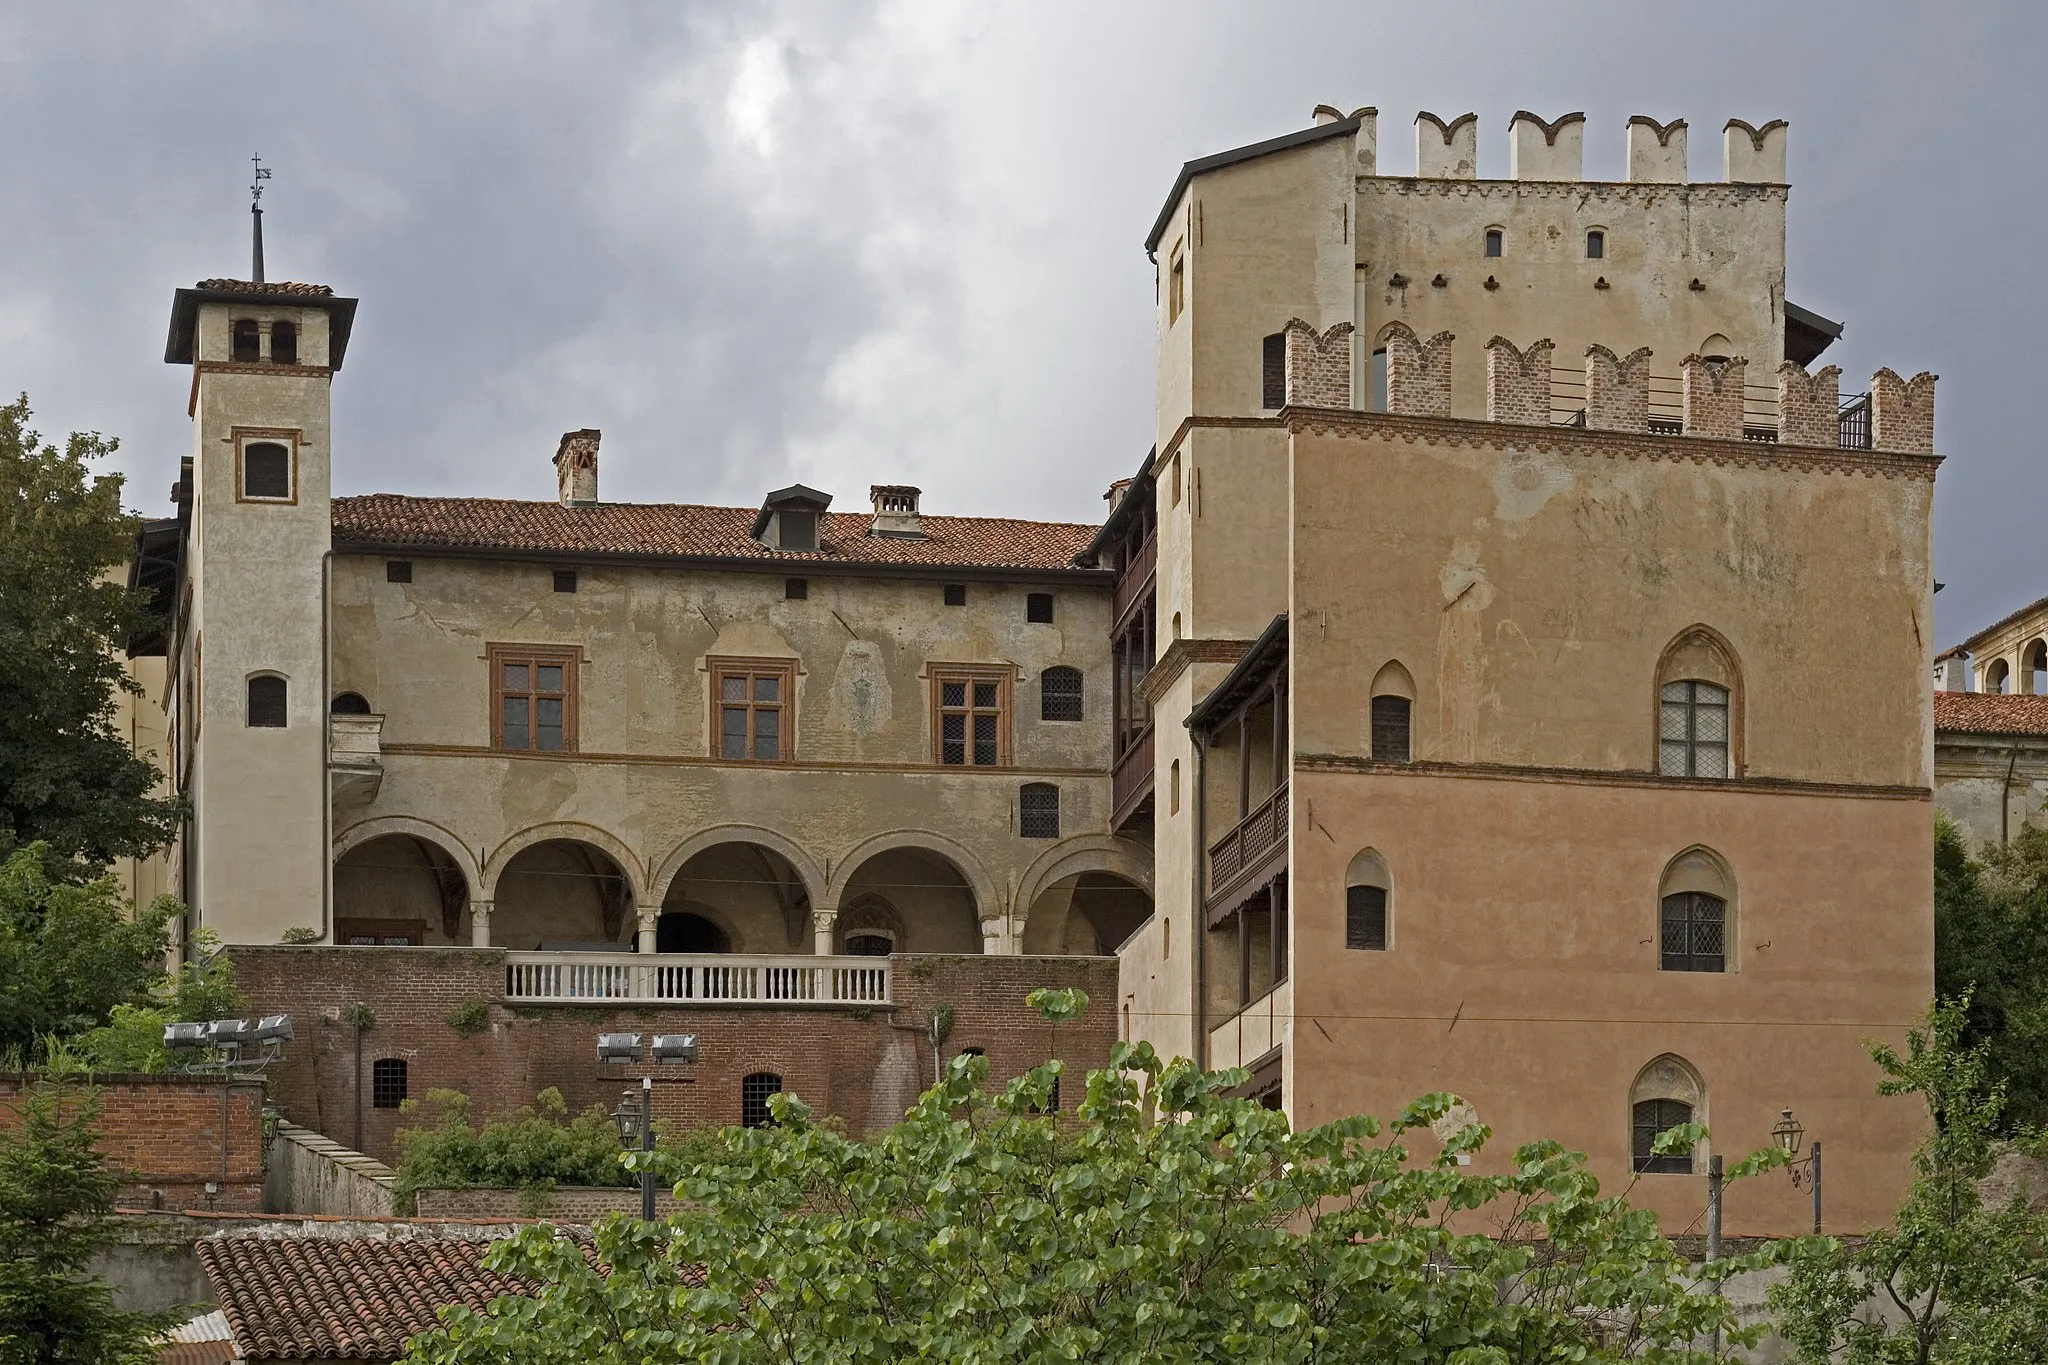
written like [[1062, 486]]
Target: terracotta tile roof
[[685, 530], [1989, 713], [304, 1298], [255, 289]]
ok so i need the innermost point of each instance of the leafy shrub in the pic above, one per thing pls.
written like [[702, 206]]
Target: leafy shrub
[[470, 1018], [299, 933], [132, 1040], [536, 1149]]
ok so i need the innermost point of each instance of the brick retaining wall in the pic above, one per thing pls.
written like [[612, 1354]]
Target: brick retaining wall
[[164, 1133]]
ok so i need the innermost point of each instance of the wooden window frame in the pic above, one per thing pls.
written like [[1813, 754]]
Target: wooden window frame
[[568, 658], [243, 438], [784, 670], [1003, 676]]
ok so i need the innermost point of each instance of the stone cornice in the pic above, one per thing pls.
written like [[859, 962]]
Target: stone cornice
[[1709, 190], [1628, 445], [1609, 777], [245, 367], [1182, 653], [926, 769]]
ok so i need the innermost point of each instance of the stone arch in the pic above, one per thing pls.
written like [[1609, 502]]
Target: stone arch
[[1393, 680], [365, 830], [571, 831], [1669, 1077], [800, 860], [2033, 660], [1997, 676], [750, 886], [401, 886], [868, 915], [1699, 653], [988, 898], [1700, 871], [1084, 853]]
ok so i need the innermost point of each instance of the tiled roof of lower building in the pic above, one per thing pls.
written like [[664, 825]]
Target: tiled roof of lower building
[[684, 530], [293, 1298], [1990, 713], [261, 288]]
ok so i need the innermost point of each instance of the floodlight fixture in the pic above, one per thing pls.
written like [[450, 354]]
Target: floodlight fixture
[[618, 1047], [274, 1028], [184, 1037], [228, 1032], [675, 1047]]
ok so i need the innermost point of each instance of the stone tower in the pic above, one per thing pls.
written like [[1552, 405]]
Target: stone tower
[[249, 668]]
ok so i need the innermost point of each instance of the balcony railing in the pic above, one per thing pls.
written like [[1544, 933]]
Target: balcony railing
[[1130, 780], [696, 979], [1132, 578], [1667, 409], [1248, 841]]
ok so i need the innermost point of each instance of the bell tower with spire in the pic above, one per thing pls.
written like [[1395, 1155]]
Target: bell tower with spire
[[251, 713]]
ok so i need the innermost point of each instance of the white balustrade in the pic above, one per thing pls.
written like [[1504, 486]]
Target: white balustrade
[[697, 978]]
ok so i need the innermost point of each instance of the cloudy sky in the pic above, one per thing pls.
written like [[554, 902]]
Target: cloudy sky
[[901, 242]]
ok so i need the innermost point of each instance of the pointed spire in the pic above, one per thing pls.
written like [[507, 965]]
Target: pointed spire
[[256, 220]]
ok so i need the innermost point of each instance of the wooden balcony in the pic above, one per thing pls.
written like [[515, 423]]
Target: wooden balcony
[[696, 979], [1134, 580], [1130, 783], [1249, 843]]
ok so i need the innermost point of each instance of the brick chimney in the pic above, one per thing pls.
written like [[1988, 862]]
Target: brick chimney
[[896, 512], [576, 467]]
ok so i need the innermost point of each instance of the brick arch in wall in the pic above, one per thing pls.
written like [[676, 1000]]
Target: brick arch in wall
[[799, 858], [570, 831]]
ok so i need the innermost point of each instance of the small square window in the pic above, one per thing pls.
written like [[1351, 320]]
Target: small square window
[[398, 571], [565, 580], [796, 589], [1038, 608], [956, 594]]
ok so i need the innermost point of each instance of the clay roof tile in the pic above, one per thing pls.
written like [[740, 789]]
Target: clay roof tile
[[1990, 713]]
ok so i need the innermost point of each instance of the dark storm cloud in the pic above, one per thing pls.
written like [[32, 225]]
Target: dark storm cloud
[[855, 244]]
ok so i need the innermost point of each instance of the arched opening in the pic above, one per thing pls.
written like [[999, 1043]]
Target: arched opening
[[248, 342], [932, 900], [284, 343], [2034, 669], [1089, 914], [1393, 707], [1666, 1093], [869, 927], [1494, 239], [267, 471], [397, 889], [563, 894], [1368, 903], [1997, 676], [749, 893], [686, 931], [1696, 913], [1699, 707], [268, 709], [1716, 348], [1596, 244], [349, 704]]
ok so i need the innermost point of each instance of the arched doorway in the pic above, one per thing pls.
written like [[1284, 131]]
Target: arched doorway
[[916, 898], [563, 894], [1088, 914], [735, 898], [400, 889]]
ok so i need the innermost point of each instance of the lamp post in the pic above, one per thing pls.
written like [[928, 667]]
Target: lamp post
[[1805, 1170], [623, 1049]]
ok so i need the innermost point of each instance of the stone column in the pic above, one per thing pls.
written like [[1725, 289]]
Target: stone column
[[480, 924], [824, 926], [643, 940], [996, 939]]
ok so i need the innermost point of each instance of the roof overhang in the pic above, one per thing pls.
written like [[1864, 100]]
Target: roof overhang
[[181, 346], [810, 564], [1343, 127], [1267, 653], [1807, 334], [1113, 524]]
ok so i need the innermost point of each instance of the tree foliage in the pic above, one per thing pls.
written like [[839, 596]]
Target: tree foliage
[[535, 1150], [56, 1203], [1165, 1222], [1991, 949], [132, 1039], [1954, 1280], [70, 955], [68, 779]]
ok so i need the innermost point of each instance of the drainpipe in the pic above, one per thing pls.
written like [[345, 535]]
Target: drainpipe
[[1198, 933], [327, 753], [2005, 798]]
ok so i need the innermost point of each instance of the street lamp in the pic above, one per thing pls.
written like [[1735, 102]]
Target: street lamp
[[637, 1111], [1804, 1170]]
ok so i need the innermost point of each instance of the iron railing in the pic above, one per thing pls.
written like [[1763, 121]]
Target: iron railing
[[696, 978], [1852, 422]]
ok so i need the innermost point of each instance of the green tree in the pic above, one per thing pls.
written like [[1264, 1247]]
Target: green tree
[[56, 1204], [1164, 1222], [533, 1150], [70, 953], [132, 1038], [1954, 1280], [1991, 949], [67, 777]]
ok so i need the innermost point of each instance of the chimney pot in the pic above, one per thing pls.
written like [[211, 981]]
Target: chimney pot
[[576, 467], [896, 515]]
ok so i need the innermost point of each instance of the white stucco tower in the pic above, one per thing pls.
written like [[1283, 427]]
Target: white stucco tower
[[249, 665]]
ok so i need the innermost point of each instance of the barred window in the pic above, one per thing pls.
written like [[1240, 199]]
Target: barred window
[[1038, 608], [1365, 917], [754, 1092], [1059, 693], [387, 1082], [1038, 810], [1390, 729], [1692, 730], [267, 710], [1695, 932], [1651, 1117]]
